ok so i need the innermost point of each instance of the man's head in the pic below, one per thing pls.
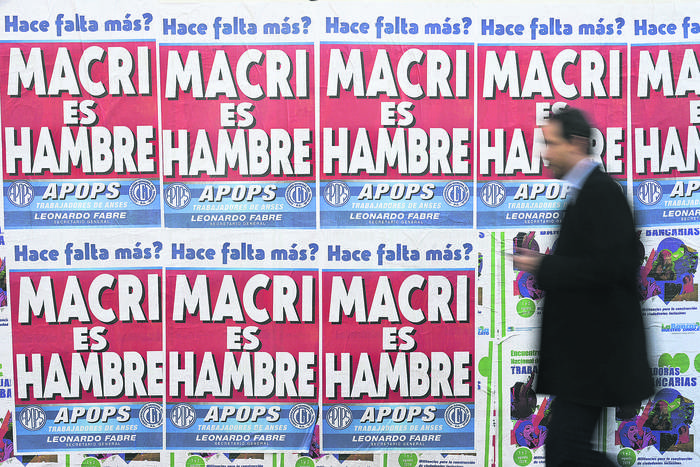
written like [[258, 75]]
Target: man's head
[[568, 136]]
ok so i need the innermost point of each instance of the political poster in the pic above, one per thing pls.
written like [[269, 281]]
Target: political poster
[[242, 351], [520, 86], [238, 133], [396, 114], [424, 320], [665, 143], [661, 428], [97, 383], [80, 132]]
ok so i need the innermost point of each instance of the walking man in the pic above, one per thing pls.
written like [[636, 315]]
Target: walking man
[[593, 350]]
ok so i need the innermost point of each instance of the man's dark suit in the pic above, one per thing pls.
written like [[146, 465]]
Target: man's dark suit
[[593, 348]]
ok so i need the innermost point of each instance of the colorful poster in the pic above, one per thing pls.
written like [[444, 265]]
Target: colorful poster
[[6, 373], [669, 284], [242, 350], [525, 299], [80, 133], [524, 415], [399, 154], [520, 86], [238, 134], [398, 354], [662, 429], [88, 360]]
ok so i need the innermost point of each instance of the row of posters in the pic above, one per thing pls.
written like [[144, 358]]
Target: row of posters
[[355, 350], [401, 155], [198, 350], [276, 234]]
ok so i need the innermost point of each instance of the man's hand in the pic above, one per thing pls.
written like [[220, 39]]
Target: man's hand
[[527, 260]]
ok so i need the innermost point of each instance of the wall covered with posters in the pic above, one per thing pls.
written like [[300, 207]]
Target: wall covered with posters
[[277, 234]]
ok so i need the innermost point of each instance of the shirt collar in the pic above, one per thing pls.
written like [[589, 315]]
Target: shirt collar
[[580, 172]]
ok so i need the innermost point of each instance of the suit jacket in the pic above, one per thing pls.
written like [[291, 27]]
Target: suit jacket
[[593, 344]]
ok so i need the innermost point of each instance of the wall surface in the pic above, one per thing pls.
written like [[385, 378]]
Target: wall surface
[[276, 234]]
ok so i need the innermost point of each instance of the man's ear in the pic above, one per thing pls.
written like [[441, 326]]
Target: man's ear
[[582, 143]]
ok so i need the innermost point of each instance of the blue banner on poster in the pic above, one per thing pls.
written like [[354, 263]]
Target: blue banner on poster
[[665, 202], [93, 428], [518, 203], [355, 427], [240, 427], [236, 204], [406, 203], [82, 203]]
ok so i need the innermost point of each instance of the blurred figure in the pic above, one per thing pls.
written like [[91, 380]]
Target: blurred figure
[[593, 351]]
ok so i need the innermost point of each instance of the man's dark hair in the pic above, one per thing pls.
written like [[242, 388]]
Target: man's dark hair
[[573, 123]]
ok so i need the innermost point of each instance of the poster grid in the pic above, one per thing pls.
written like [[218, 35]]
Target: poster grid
[[136, 158]]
